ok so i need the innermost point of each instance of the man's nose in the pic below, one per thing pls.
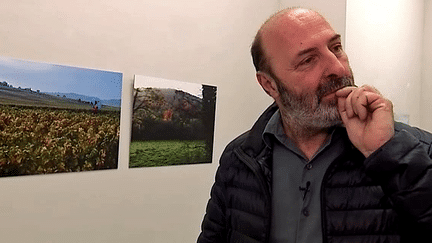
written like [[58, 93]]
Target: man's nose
[[335, 65]]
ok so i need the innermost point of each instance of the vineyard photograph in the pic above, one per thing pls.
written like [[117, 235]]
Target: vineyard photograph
[[56, 118], [172, 123]]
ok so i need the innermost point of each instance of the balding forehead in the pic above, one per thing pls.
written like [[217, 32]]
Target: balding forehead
[[301, 12], [279, 29], [292, 17], [289, 22]]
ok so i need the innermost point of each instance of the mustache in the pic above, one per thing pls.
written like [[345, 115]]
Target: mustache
[[333, 84]]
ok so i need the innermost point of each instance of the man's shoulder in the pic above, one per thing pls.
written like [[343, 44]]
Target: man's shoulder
[[236, 143], [240, 139], [422, 135], [251, 141]]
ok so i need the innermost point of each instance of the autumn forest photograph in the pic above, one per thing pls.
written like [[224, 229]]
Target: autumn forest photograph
[[172, 123]]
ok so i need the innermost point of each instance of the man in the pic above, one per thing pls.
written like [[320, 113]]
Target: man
[[326, 162]]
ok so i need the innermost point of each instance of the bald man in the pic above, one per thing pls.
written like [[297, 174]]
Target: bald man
[[326, 162]]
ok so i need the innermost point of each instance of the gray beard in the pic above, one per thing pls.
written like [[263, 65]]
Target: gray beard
[[307, 110]]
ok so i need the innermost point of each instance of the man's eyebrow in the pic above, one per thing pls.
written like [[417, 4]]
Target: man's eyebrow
[[335, 37], [300, 53]]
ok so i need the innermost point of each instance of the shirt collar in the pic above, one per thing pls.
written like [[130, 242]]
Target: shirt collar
[[272, 128]]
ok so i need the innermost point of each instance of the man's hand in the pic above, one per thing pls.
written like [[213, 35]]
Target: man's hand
[[367, 116]]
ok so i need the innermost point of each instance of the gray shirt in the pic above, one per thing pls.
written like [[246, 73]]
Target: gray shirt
[[296, 183]]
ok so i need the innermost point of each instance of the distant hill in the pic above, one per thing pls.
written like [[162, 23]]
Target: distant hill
[[172, 94], [175, 100], [111, 102], [27, 97]]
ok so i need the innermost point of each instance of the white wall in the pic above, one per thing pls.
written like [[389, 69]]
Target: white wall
[[384, 43], [426, 97], [202, 41]]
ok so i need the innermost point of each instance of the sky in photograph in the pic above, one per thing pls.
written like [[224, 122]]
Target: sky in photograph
[[145, 81], [58, 78]]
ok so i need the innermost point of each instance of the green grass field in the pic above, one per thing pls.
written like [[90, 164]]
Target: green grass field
[[168, 152]]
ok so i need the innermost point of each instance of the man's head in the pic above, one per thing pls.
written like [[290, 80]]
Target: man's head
[[300, 63]]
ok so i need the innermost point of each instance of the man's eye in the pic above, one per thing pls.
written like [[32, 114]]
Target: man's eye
[[337, 48], [307, 61]]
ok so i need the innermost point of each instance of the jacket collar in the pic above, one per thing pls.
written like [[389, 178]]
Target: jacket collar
[[253, 145]]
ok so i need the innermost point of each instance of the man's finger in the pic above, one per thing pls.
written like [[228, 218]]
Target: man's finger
[[341, 104], [344, 92], [344, 116], [361, 106], [371, 89], [349, 104], [358, 102], [366, 103]]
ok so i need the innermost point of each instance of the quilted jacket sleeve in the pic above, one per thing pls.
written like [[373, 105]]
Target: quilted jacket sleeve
[[213, 227], [403, 167]]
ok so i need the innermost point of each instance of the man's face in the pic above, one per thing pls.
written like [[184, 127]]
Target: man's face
[[309, 109], [306, 57]]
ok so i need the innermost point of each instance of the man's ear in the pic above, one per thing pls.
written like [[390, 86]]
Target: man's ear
[[268, 84]]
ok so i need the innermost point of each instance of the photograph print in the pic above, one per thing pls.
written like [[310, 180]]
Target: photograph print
[[56, 118], [172, 122]]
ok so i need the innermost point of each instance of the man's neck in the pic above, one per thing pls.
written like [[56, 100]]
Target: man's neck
[[308, 140]]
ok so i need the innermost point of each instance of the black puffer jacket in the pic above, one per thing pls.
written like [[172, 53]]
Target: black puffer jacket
[[384, 198]]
